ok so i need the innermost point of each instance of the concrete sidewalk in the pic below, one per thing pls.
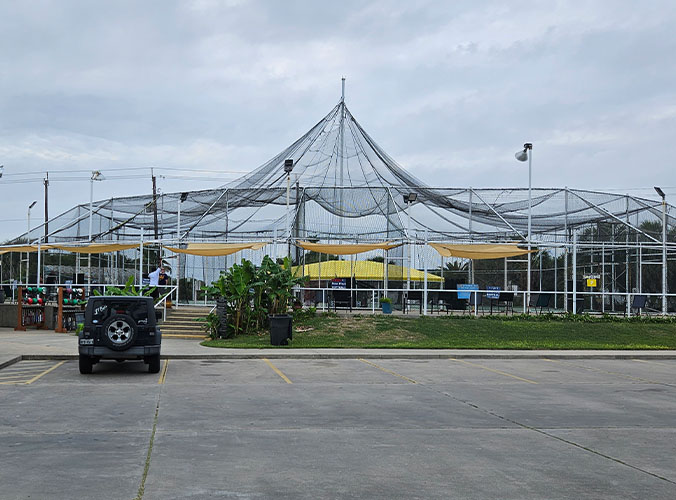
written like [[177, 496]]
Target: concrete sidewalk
[[49, 345]]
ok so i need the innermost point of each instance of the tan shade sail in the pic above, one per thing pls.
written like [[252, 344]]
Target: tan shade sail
[[24, 248], [216, 249], [96, 247], [364, 270], [478, 251], [346, 249]]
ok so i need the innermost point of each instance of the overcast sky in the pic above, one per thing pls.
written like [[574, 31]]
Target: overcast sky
[[450, 89]]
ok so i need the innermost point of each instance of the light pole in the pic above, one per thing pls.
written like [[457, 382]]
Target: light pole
[[408, 199], [184, 196], [288, 167], [28, 238], [664, 249], [96, 176], [523, 155]]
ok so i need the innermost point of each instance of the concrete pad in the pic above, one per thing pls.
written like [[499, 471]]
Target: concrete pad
[[418, 464], [651, 449], [284, 406], [580, 406], [71, 464]]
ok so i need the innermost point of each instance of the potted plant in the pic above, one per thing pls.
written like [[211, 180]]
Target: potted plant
[[386, 305]]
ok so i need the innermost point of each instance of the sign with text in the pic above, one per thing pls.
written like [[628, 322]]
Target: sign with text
[[469, 287], [338, 283], [493, 294]]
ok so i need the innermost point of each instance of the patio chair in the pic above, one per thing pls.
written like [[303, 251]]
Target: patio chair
[[638, 303], [543, 300], [506, 300]]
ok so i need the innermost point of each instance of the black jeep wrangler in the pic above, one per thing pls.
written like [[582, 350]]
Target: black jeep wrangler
[[120, 328]]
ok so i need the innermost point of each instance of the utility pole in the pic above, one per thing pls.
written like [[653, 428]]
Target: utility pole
[[154, 202], [46, 183]]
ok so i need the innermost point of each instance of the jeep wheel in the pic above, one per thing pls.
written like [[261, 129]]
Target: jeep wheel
[[154, 363], [86, 364], [119, 332]]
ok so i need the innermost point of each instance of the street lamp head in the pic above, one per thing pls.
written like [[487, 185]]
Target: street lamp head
[[660, 192], [288, 165], [184, 196], [523, 154], [32, 205], [97, 176]]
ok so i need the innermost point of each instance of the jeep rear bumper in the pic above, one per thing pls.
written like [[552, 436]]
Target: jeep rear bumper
[[134, 352]]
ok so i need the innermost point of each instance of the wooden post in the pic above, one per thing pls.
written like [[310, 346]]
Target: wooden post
[[59, 315], [19, 322]]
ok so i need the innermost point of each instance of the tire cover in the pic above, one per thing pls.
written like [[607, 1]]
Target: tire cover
[[119, 332]]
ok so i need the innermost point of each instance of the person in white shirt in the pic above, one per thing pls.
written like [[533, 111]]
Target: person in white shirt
[[155, 276]]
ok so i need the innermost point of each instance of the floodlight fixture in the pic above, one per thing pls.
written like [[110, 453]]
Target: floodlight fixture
[[288, 165], [97, 175], [523, 154], [660, 192], [412, 197], [184, 196]]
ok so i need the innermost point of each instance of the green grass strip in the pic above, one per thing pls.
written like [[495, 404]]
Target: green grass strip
[[490, 332]]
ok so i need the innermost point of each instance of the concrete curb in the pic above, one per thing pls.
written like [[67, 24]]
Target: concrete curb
[[9, 362], [365, 355]]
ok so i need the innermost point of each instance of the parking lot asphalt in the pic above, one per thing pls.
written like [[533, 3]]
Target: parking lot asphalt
[[340, 428]]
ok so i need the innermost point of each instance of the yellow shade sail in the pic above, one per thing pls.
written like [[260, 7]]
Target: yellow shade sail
[[479, 251], [348, 249], [216, 249], [24, 248], [364, 270]]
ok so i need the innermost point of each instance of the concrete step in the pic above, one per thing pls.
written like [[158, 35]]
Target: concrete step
[[191, 326]]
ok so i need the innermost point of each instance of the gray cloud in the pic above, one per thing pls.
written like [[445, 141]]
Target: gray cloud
[[449, 89]]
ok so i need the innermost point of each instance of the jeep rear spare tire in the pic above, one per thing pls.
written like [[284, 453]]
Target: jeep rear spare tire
[[119, 332]]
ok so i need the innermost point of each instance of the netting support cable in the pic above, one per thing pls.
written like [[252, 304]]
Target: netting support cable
[[606, 212]]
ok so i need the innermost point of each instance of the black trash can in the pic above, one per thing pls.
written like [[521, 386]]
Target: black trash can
[[280, 329]]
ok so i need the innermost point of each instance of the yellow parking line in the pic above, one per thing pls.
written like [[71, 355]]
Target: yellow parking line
[[653, 362], [618, 374], [44, 372], [163, 375], [18, 375], [387, 371], [24, 368], [499, 372], [277, 371]]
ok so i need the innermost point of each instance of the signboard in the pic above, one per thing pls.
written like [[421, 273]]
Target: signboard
[[145, 281], [466, 286], [493, 295], [591, 279], [338, 283]]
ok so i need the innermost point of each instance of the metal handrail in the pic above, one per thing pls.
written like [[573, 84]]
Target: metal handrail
[[163, 302]]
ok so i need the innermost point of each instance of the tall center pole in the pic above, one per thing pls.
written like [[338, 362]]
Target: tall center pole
[[341, 154]]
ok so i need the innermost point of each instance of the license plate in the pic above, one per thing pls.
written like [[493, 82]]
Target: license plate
[[86, 341]]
